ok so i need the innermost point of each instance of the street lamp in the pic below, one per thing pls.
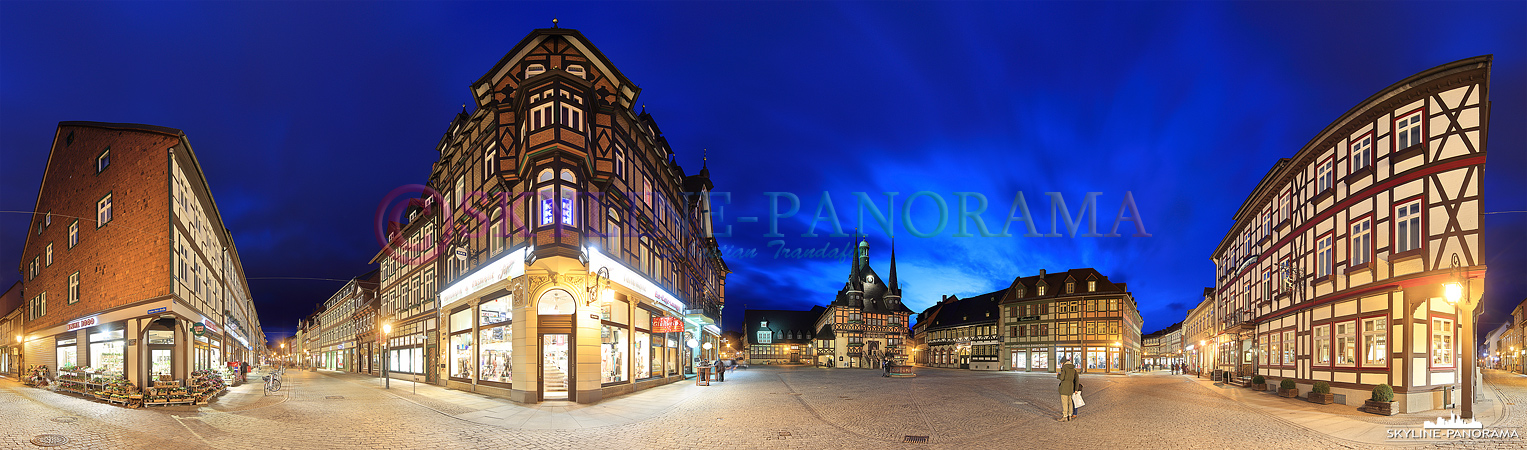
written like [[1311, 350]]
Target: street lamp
[[599, 287], [386, 380], [1455, 292]]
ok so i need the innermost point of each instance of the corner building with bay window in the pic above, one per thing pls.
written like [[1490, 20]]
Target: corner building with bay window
[[574, 257], [1336, 264], [125, 255]]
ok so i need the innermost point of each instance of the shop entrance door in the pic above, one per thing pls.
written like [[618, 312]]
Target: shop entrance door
[[556, 376]]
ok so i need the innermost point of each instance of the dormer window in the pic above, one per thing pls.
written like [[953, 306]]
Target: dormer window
[[1092, 286], [534, 69], [1070, 287], [577, 71]]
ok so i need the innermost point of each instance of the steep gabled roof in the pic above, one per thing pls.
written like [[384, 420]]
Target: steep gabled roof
[[979, 309], [483, 88]]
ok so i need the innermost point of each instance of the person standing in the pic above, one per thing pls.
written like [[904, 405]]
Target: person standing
[[1068, 386]]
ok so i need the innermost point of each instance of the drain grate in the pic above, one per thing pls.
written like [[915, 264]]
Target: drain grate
[[66, 419], [784, 434], [914, 439], [335, 397], [49, 440]]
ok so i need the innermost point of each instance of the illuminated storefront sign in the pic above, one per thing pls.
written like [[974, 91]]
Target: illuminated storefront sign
[[211, 327], [624, 276], [509, 266], [667, 325], [82, 323]]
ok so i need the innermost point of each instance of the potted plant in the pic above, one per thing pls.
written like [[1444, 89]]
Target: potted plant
[[1321, 393], [1287, 389], [1382, 402], [1258, 383]]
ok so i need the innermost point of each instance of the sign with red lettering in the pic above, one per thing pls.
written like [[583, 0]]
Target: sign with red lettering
[[667, 325], [82, 323]]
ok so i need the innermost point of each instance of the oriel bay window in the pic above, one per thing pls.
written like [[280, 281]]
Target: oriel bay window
[[557, 197], [461, 344]]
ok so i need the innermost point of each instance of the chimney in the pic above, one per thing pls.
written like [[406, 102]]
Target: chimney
[[1041, 273]]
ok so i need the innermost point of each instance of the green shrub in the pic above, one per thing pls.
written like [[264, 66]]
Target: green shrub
[[1321, 387], [1383, 393], [1286, 384], [1257, 379]]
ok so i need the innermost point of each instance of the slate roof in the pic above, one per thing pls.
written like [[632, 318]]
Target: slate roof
[[790, 327], [968, 311]]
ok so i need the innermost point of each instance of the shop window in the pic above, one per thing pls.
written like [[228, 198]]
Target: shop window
[[1442, 342], [641, 357], [1322, 354], [67, 353], [1375, 352], [107, 351], [612, 354]]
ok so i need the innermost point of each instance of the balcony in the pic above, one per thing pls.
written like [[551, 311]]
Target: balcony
[[710, 311]]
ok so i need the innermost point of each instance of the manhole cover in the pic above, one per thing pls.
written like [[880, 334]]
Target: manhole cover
[[49, 440], [335, 397], [66, 419], [784, 434], [915, 439]]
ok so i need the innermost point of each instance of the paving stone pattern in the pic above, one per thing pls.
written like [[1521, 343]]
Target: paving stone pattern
[[760, 408]]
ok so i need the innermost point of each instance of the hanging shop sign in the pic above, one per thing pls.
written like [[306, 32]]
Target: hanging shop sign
[[632, 280], [83, 323], [667, 325], [506, 267], [198, 329]]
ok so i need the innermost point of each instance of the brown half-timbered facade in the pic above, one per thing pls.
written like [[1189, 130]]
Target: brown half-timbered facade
[[1335, 266], [1076, 316]]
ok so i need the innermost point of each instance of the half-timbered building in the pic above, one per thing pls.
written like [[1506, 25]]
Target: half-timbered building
[[866, 323], [1334, 269]]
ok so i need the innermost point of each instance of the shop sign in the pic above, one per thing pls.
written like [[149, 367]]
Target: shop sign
[[1028, 318], [506, 267], [83, 323], [211, 326], [624, 276], [198, 329], [667, 325]]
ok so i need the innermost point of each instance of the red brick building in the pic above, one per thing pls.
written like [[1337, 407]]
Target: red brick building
[[125, 252]]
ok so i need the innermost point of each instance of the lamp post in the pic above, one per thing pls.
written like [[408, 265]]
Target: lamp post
[[386, 380], [1456, 292]]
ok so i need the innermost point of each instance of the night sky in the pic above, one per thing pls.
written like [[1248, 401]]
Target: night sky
[[304, 115]]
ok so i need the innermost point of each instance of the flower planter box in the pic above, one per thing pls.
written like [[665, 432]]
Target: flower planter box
[[1380, 408], [1258, 386], [1324, 399], [1288, 393]]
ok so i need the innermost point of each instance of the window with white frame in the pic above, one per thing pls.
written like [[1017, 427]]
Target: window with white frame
[[1070, 287], [1362, 242], [490, 162], [1267, 347], [1092, 286], [1442, 342], [1288, 348], [534, 69], [1041, 290], [39, 306], [1375, 353], [74, 233], [32, 273], [540, 116], [1324, 263], [765, 337], [1283, 207], [1362, 152], [103, 211], [1346, 344], [1324, 175], [1408, 131], [567, 197], [620, 161], [1407, 227], [1322, 354], [571, 111], [74, 287], [577, 71], [612, 233], [48, 256], [102, 161]]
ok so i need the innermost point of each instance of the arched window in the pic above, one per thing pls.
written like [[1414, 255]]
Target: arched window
[[577, 71], [546, 175], [557, 199], [534, 69], [612, 234], [557, 302]]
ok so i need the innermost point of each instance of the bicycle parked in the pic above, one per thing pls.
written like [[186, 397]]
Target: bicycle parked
[[273, 380]]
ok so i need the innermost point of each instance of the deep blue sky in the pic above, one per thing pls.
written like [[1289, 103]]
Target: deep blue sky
[[304, 115]]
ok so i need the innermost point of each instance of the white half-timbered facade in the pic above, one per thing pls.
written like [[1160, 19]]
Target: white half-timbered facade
[[1335, 266]]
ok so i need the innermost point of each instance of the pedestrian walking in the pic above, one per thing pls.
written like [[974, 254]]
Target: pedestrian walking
[[720, 371], [1068, 385]]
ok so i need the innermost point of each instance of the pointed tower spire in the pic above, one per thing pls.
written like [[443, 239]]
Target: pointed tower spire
[[896, 289], [853, 264]]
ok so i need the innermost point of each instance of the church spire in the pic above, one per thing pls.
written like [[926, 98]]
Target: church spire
[[895, 289], [853, 265]]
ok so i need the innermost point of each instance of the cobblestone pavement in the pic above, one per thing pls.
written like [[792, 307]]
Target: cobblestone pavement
[[762, 408]]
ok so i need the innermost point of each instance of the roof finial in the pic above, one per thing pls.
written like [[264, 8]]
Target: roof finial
[[704, 157], [554, 22]]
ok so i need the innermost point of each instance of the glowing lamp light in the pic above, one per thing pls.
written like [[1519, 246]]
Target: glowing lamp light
[[1453, 292], [706, 346], [607, 296], [386, 328]]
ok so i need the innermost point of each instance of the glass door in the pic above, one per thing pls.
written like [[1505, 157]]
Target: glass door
[[555, 374]]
